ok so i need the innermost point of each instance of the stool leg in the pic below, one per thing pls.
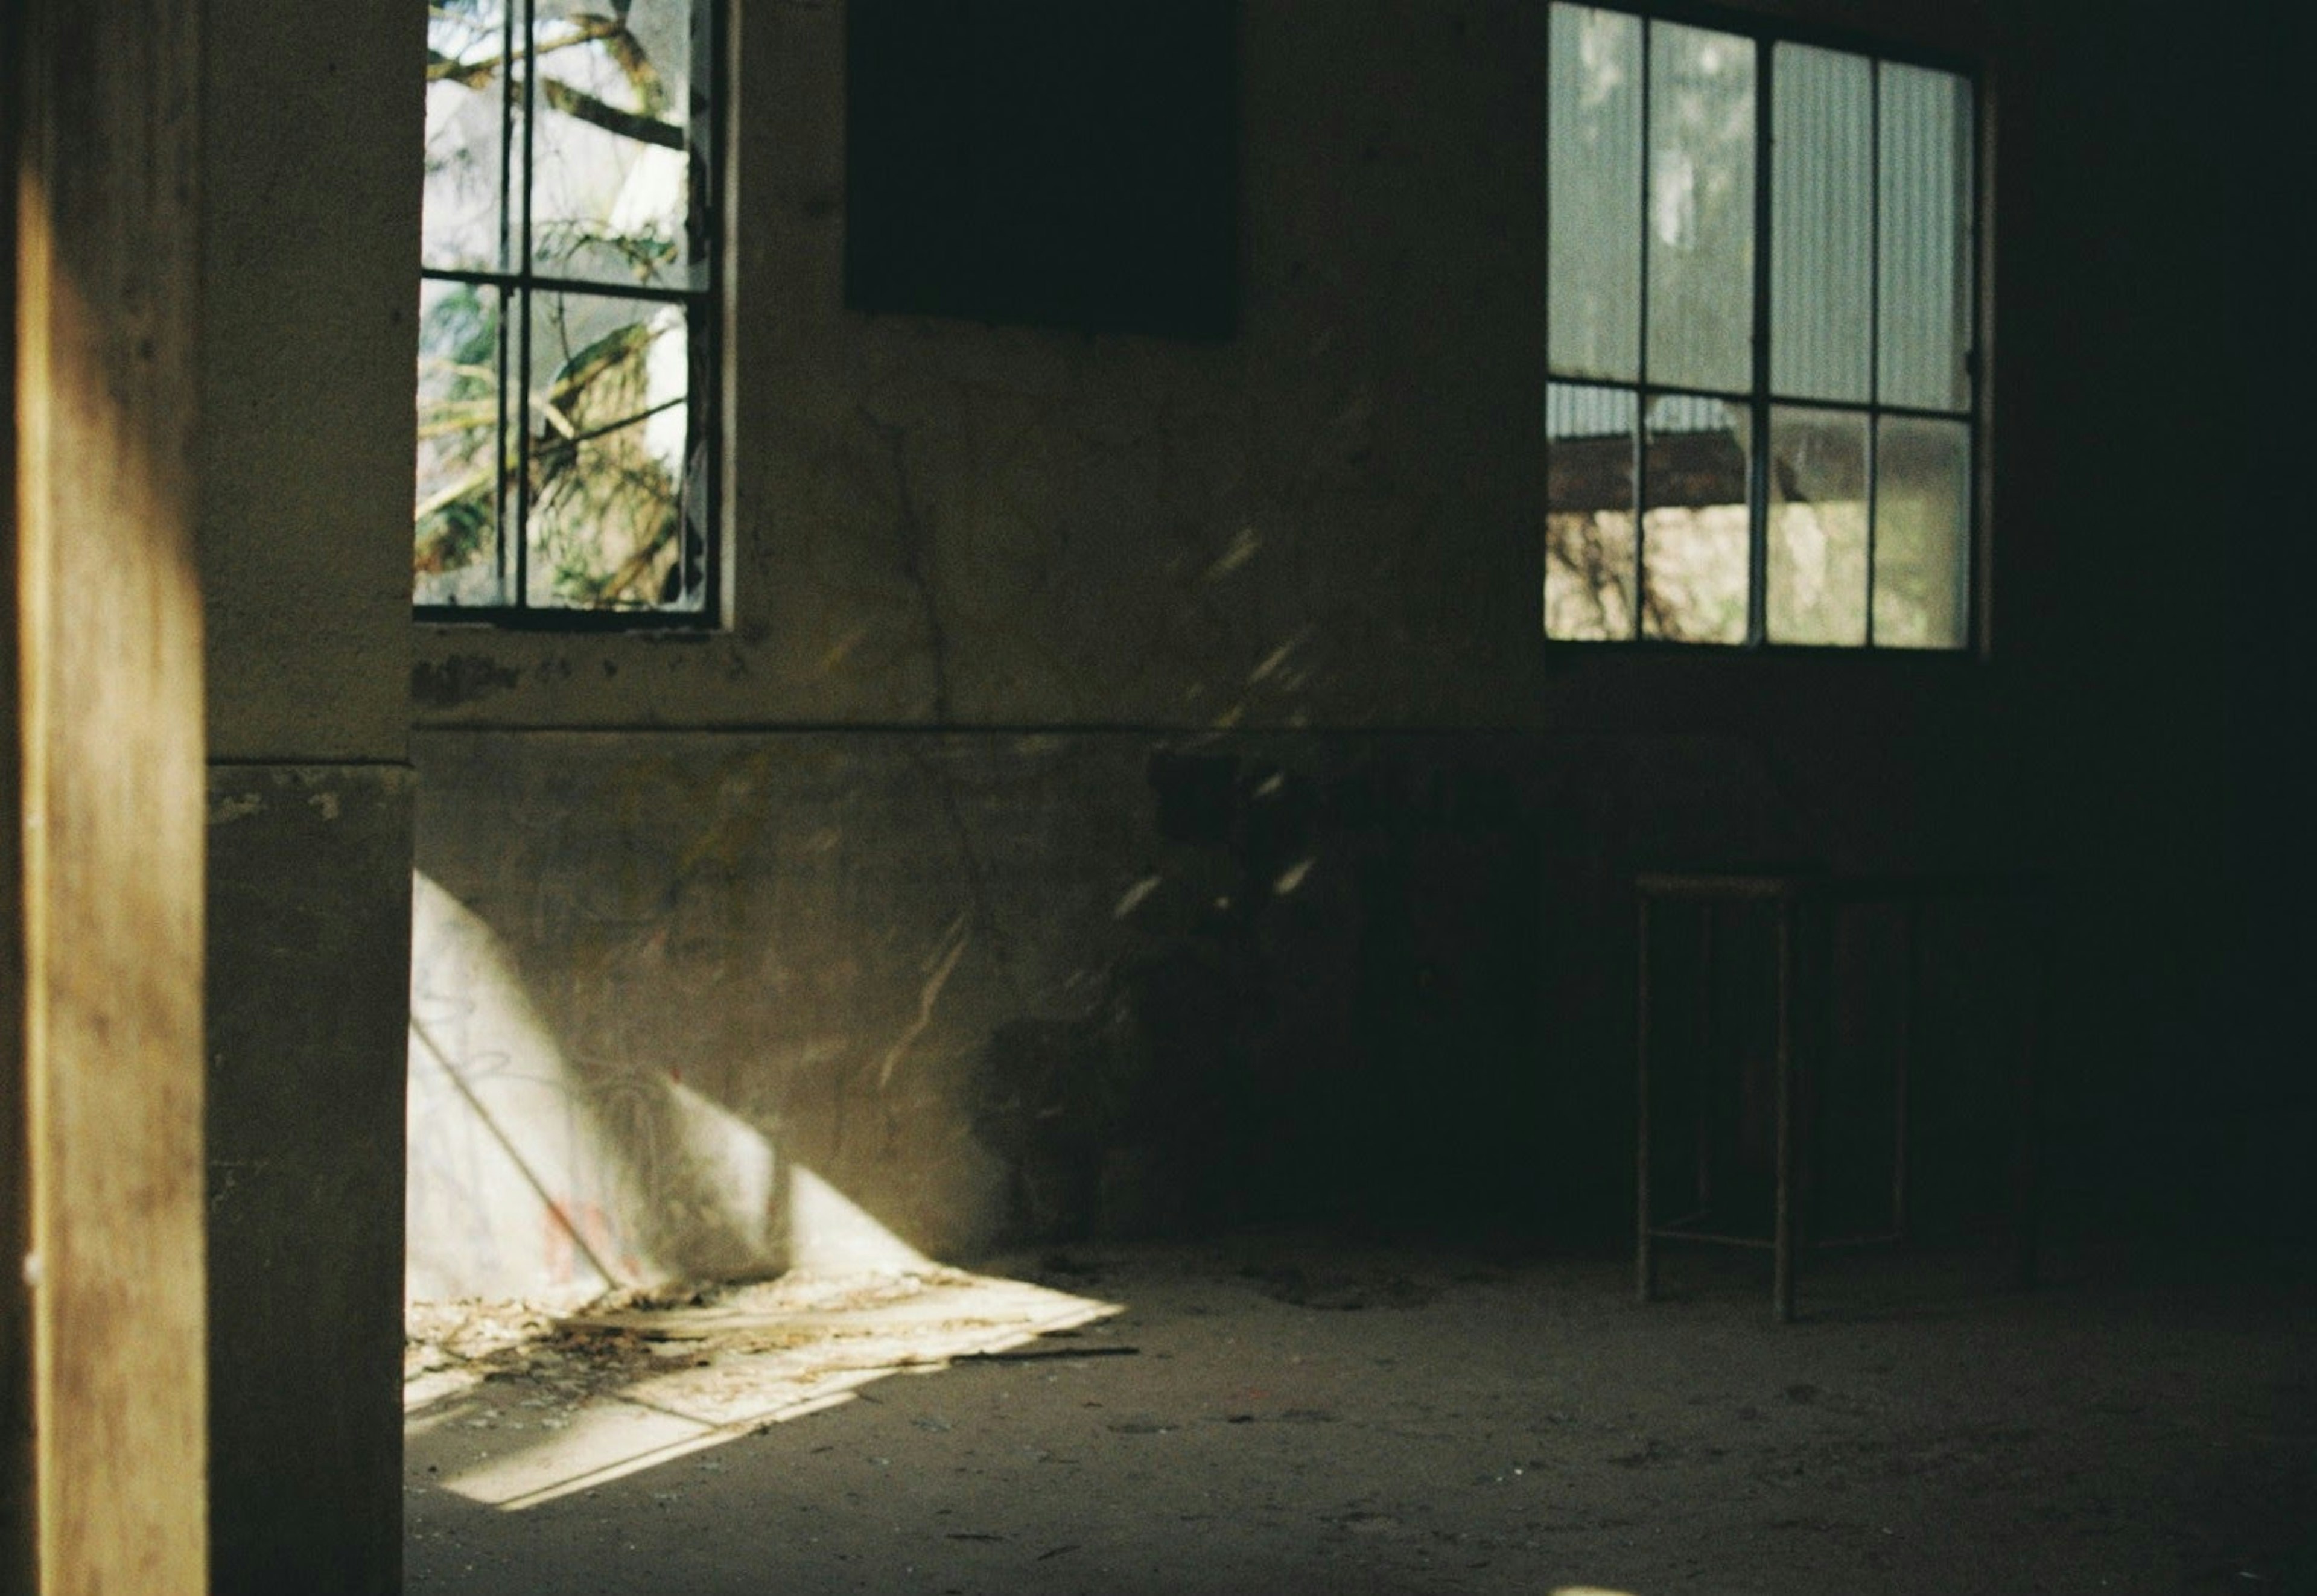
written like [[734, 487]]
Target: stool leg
[[1702, 1154], [1903, 1065], [1645, 1278], [1782, 1284], [2024, 1217]]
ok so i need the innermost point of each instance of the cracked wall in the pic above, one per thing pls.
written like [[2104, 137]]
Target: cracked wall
[[869, 842], [1005, 986]]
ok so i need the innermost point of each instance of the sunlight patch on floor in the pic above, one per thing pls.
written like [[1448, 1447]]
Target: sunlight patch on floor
[[564, 1403]]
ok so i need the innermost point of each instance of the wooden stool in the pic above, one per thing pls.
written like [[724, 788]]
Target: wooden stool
[[1791, 896]]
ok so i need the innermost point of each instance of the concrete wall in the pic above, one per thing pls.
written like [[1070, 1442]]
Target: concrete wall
[[309, 252], [309, 912], [545, 1166], [1099, 982], [996, 589], [988, 580], [1132, 791]]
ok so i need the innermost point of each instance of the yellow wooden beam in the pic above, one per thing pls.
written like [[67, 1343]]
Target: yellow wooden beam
[[108, 683]]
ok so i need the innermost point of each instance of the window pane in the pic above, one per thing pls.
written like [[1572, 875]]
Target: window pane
[[611, 196], [612, 456], [1922, 533], [1822, 226], [1817, 543], [1593, 180], [456, 557], [1925, 178], [1695, 538], [1589, 522], [1701, 208], [466, 85]]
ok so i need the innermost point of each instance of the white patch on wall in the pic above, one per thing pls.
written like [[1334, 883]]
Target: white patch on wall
[[532, 1177]]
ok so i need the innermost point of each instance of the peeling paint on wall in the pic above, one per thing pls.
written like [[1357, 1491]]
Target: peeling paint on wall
[[460, 678]]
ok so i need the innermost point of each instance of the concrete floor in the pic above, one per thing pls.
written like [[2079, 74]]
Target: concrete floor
[[1300, 1416]]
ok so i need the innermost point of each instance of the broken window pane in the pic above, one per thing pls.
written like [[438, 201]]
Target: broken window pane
[[1925, 176], [1701, 209], [1822, 226], [1588, 552], [568, 468], [612, 455], [466, 147], [1594, 187], [1922, 533], [1817, 545], [1695, 544], [456, 559], [611, 193], [1851, 300]]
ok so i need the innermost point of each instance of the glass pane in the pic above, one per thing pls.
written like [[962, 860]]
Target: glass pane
[[611, 195], [1589, 519], [612, 456], [1701, 209], [1922, 533], [1817, 545], [1695, 543], [1822, 223], [1593, 180], [466, 88], [455, 557], [1925, 178]]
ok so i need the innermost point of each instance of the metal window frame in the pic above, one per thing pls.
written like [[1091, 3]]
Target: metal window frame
[[1765, 34], [703, 304]]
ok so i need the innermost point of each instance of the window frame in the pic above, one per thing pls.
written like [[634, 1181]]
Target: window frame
[[1764, 31], [706, 308]]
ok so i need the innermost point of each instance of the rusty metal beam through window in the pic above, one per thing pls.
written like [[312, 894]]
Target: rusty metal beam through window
[[1763, 397]]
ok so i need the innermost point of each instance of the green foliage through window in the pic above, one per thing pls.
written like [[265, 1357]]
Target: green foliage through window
[[567, 310]]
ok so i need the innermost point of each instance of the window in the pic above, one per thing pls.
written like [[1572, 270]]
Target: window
[[567, 313], [1762, 404]]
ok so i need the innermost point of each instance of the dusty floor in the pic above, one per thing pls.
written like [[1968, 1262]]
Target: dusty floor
[[1275, 1414]]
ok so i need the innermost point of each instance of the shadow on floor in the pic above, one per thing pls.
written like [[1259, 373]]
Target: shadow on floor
[[1278, 1413]]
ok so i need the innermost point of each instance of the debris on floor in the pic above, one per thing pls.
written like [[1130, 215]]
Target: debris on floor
[[1480, 1426], [637, 1375]]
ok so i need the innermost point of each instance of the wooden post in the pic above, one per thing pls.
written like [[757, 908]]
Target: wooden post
[[18, 1567], [105, 924]]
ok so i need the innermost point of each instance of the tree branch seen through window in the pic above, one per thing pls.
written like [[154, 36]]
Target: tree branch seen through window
[[566, 320]]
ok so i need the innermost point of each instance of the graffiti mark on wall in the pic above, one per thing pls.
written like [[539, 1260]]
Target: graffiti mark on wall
[[536, 1173]]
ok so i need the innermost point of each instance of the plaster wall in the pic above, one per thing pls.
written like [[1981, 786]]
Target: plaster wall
[[310, 907], [855, 866], [1331, 519], [986, 581], [309, 243], [1006, 985], [310, 248]]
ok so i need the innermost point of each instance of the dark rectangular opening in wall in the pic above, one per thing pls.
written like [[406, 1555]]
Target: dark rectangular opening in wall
[[1057, 163]]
